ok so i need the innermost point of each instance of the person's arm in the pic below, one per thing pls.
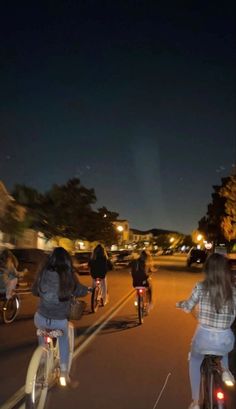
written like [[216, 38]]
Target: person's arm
[[81, 290], [189, 304]]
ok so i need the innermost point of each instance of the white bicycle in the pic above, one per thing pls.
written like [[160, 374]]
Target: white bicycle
[[44, 367]]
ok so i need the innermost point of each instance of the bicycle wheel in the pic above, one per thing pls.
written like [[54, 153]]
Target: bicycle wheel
[[218, 391], [54, 363], [204, 386], [95, 299], [140, 308], [11, 309], [71, 345], [210, 384], [36, 386]]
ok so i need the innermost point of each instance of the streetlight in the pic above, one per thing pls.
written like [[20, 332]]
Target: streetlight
[[120, 230], [200, 240]]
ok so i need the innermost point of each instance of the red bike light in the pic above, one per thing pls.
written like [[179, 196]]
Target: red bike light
[[220, 395], [47, 339], [140, 290]]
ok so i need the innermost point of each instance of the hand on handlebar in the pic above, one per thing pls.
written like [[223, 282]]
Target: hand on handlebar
[[180, 304]]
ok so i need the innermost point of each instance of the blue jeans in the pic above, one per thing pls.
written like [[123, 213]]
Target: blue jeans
[[42, 323], [207, 341], [103, 286]]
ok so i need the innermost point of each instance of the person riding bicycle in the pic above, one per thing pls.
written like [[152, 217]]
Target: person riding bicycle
[[140, 271], [55, 285], [100, 264], [215, 297], [8, 273]]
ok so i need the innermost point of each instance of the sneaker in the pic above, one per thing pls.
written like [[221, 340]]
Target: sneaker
[[65, 380], [194, 406], [228, 378]]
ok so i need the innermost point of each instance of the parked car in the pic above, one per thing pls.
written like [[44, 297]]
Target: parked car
[[122, 258], [80, 262], [168, 251], [196, 256], [30, 259]]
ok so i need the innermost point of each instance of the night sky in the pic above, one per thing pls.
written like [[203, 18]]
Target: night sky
[[135, 98]]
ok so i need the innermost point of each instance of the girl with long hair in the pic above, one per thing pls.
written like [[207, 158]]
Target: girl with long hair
[[141, 269], [215, 297], [100, 264], [55, 285]]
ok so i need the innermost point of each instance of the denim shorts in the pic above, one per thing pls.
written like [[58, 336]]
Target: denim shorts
[[212, 341]]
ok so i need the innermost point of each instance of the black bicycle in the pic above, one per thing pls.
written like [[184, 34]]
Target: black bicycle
[[142, 302], [214, 380], [211, 391]]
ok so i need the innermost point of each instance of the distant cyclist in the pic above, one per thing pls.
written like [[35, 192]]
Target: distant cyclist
[[100, 264], [55, 284], [216, 300], [8, 273], [141, 268]]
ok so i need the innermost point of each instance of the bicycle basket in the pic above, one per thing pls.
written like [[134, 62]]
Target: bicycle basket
[[76, 308]]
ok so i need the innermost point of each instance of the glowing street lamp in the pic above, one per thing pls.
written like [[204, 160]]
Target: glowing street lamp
[[120, 230]]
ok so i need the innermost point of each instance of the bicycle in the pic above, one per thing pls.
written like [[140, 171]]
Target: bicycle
[[9, 307], [213, 381], [96, 297], [44, 367], [142, 302]]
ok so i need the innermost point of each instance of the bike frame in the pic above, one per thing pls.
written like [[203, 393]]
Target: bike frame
[[48, 357]]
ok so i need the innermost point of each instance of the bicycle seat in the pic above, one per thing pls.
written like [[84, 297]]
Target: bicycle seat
[[52, 333], [140, 287]]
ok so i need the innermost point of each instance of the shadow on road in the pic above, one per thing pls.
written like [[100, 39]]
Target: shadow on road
[[121, 324], [21, 346], [179, 268]]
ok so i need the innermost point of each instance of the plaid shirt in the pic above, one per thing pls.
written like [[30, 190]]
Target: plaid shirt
[[206, 313]]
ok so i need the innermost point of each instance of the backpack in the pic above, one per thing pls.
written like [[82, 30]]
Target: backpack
[[135, 267]]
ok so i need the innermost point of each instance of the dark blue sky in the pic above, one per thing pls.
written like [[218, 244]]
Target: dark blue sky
[[136, 99]]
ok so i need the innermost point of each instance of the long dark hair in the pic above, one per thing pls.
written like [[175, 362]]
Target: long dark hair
[[60, 261], [8, 259], [99, 252], [218, 281]]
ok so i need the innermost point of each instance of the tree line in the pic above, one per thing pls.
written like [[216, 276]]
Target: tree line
[[219, 223], [63, 211], [68, 211]]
